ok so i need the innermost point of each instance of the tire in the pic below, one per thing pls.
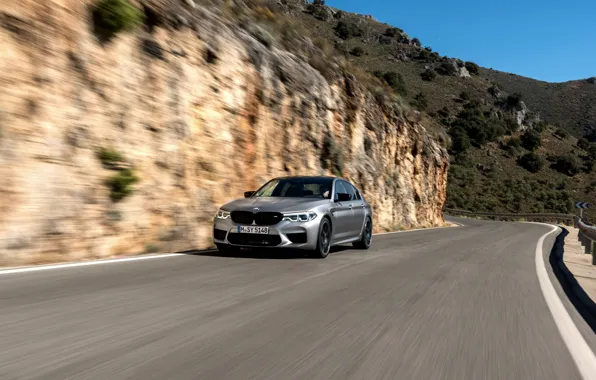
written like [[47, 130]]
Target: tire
[[323, 239], [366, 241], [227, 249]]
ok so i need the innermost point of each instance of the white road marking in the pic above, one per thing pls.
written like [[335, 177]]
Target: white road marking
[[578, 348], [37, 268], [86, 263]]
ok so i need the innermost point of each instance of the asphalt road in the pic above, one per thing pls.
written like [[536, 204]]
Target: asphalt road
[[454, 303]]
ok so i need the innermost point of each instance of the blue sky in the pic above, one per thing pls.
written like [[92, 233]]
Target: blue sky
[[550, 40]]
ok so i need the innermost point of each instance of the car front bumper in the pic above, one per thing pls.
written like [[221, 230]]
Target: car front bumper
[[285, 234]]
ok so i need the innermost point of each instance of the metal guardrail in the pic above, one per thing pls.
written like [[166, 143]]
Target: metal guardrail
[[587, 238], [558, 218]]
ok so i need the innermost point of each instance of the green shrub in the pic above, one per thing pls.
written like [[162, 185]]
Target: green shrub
[[566, 164], [416, 42], [560, 132], [428, 74], [113, 16], [120, 184], [391, 32], [420, 101], [531, 140], [514, 100], [472, 68], [583, 144], [109, 156], [396, 81], [357, 51], [447, 68], [345, 30], [531, 162], [540, 126]]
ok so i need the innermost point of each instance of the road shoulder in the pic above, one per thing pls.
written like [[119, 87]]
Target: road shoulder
[[580, 264]]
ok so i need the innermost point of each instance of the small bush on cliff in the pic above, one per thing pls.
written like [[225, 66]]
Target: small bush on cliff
[[566, 164], [113, 16], [531, 162], [560, 132], [396, 81], [357, 51], [428, 74], [531, 140], [346, 30], [420, 101], [109, 156], [120, 184], [472, 68]]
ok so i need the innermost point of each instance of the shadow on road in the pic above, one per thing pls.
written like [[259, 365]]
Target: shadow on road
[[266, 253], [580, 300]]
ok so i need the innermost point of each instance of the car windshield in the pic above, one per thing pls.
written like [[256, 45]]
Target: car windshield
[[297, 188]]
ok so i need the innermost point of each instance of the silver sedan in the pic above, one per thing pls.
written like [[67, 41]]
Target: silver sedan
[[309, 213]]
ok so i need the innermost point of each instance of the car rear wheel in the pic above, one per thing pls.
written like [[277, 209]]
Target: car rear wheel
[[324, 239], [366, 240], [227, 249]]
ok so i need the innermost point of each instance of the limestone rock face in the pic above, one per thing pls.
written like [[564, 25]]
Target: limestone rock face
[[200, 111]]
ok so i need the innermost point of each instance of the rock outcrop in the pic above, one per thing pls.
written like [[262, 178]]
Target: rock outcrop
[[130, 145]]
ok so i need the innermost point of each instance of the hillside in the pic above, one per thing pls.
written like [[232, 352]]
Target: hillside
[[125, 125], [481, 110], [572, 105]]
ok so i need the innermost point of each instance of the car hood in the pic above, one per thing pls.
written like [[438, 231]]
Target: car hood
[[274, 204]]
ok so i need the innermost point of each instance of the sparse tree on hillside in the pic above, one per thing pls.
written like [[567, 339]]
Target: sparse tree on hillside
[[416, 42], [583, 144], [472, 68], [447, 68], [531, 140], [566, 164], [357, 51], [396, 81], [428, 74], [346, 30], [531, 162], [420, 101], [514, 100]]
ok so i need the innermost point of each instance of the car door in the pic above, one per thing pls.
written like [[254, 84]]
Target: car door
[[358, 209], [342, 215]]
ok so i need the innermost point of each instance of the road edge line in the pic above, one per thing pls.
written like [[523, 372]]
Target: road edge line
[[36, 268], [580, 351]]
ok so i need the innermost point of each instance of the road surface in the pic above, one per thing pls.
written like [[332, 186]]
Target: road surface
[[454, 303]]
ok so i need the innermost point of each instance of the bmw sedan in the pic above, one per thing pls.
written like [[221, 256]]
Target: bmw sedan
[[308, 213]]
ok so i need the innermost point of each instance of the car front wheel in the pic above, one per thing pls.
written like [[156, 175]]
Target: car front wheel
[[324, 239], [366, 240]]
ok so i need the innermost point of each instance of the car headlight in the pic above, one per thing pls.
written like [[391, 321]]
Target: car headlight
[[300, 216], [222, 214]]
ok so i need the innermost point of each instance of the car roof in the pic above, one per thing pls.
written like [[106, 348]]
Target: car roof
[[308, 177]]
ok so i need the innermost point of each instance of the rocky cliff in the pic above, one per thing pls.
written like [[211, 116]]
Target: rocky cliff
[[126, 145]]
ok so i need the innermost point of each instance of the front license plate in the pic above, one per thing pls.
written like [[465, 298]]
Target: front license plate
[[253, 230]]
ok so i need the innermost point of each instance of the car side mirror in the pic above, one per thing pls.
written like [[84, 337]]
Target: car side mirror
[[342, 197], [248, 194]]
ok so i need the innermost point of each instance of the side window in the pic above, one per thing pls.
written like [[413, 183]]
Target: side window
[[350, 190], [339, 188], [356, 192]]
